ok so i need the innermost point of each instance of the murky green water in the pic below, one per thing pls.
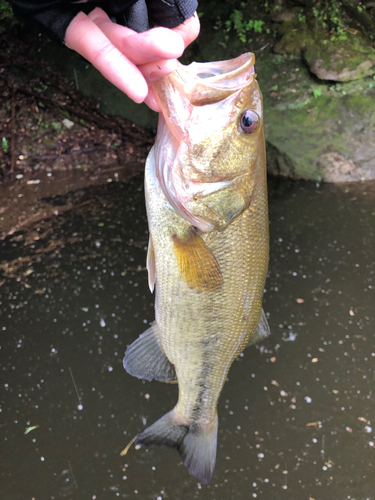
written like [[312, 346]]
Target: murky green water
[[296, 417]]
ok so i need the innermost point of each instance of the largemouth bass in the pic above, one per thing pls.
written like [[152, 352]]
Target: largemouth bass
[[206, 200]]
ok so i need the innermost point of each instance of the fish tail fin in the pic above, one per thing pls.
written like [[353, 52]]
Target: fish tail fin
[[196, 442]]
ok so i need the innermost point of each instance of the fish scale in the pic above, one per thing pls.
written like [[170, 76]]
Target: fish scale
[[208, 253]]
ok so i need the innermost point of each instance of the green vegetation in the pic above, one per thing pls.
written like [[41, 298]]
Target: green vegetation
[[240, 25], [317, 92], [5, 144], [331, 16], [336, 18], [6, 16], [5, 10]]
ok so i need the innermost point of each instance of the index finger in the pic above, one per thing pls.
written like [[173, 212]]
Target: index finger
[[189, 29], [86, 38]]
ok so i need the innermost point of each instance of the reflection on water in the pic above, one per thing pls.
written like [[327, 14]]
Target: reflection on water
[[297, 415]]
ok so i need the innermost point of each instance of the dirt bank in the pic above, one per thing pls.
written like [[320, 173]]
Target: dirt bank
[[54, 139]]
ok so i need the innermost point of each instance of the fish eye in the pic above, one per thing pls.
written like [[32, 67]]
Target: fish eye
[[249, 121]]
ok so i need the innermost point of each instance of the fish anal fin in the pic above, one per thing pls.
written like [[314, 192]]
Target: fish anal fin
[[197, 265], [195, 441], [150, 264], [146, 359], [262, 331]]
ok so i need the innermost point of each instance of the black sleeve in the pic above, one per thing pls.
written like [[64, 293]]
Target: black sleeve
[[54, 16], [50, 17], [148, 13], [170, 13]]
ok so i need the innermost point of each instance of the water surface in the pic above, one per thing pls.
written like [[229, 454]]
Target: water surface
[[296, 416]]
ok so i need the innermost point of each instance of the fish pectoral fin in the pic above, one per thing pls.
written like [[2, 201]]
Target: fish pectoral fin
[[230, 200], [150, 264], [146, 359], [196, 442], [262, 331], [197, 265]]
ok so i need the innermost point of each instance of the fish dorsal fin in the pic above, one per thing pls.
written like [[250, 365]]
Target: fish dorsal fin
[[150, 264], [262, 331], [197, 265]]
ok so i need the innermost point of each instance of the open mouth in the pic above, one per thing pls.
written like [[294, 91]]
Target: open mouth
[[205, 83]]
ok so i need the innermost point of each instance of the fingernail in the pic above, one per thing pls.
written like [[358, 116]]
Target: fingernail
[[154, 76]]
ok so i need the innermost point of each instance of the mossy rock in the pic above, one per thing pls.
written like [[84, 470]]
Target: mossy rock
[[318, 131], [329, 139], [295, 36], [341, 61]]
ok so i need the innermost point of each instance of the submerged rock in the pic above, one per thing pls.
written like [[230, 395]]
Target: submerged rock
[[336, 168]]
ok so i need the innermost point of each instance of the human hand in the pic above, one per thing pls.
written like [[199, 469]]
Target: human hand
[[128, 59]]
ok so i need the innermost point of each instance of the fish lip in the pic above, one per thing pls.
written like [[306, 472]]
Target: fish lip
[[204, 83]]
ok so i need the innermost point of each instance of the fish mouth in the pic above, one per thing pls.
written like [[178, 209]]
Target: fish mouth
[[206, 83]]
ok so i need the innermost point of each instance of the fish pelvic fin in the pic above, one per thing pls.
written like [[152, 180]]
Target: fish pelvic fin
[[197, 265], [146, 359], [195, 442], [262, 331]]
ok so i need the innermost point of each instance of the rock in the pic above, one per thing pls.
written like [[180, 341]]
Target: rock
[[279, 163], [341, 61], [332, 60], [330, 139], [336, 168], [303, 125], [68, 123], [280, 16], [295, 36]]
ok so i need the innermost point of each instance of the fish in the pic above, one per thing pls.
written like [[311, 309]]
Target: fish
[[207, 259]]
